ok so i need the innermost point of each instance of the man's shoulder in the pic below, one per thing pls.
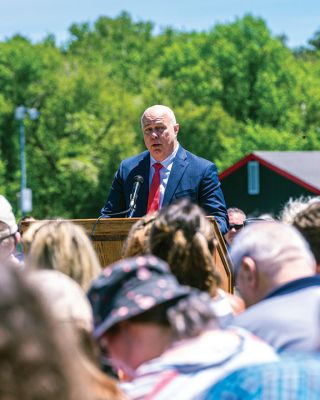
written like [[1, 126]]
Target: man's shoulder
[[135, 159], [276, 308], [193, 158]]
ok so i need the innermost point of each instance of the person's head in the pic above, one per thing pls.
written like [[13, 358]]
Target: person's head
[[24, 219], [138, 312], [308, 223], [67, 300], [160, 131], [294, 205], [9, 235], [183, 237], [137, 241], [236, 220], [63, 246], [70, 308], [267, 255], [38, 359]]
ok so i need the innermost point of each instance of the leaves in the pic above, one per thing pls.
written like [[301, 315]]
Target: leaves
[[234, 89]]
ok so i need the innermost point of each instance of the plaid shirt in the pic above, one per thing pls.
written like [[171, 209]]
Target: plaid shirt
[[294, 377]]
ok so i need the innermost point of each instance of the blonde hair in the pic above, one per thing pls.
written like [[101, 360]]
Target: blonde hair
[[65, 247], [70, 309], [137, 242]]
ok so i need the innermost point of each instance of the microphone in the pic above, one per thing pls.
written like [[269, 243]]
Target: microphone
[[137, 182]]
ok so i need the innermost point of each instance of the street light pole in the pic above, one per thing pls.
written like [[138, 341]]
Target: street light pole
[[22, 156], [25, 193]]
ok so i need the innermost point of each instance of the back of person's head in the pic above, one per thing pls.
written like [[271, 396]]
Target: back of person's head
[[70, 308], [137, 242], [66, 299], [267, 255], [294, 206], [308, 223], [63, 246], [183, 237], [29, 233], [23, 220], [37, 360], [142, 289], [138, 312], [275, 247]]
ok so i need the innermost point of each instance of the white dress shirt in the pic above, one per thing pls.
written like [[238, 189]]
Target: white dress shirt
[[164, 172]]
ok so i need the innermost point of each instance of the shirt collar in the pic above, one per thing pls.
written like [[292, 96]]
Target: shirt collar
[[166, 162], [293, 286]]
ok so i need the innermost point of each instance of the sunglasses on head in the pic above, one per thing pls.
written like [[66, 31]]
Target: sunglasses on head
[[237, 227]]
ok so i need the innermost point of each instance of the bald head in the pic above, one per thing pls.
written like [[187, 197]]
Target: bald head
[[268, 254], [158, 110]]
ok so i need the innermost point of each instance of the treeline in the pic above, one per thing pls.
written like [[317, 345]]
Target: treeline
[[234, 89]]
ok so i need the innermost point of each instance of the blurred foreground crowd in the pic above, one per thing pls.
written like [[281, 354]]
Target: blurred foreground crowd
[[157, 324]]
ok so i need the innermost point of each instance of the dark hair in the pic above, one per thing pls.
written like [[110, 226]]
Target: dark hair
[[308, 223], [187, 316], [183, 237]]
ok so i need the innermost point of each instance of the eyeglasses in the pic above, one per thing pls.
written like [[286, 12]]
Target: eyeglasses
[[237, 227], [8, 241]]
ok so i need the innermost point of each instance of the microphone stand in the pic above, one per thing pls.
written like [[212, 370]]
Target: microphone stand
[[131, 211], [106, 216], [138, 180]]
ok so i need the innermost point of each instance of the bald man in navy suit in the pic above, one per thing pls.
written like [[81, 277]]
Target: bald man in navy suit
[[183, 174]]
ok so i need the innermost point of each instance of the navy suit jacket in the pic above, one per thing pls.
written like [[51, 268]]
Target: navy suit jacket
[[190, 176]]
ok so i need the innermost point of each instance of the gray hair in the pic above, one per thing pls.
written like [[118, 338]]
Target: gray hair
[[271, 245], [294, 206], [236, 210]]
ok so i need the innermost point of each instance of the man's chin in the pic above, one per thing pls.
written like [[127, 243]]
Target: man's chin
[[157, 154]]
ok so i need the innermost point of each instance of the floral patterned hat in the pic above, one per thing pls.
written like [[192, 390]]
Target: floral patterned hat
[[131, 287]]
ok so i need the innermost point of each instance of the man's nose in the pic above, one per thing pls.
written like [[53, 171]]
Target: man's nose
[[155, 134]]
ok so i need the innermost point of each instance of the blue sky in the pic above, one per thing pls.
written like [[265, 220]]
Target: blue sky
[[298, 20]]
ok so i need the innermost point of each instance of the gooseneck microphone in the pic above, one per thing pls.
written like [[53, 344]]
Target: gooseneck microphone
[[137, 182]]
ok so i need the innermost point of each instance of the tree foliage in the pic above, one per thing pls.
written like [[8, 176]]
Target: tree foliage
[[234, 89]]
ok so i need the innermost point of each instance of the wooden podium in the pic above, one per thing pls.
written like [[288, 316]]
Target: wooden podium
[[108, 235]]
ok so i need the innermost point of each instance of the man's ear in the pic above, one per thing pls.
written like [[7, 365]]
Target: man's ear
[[176, 128], [249, 272], [18, 237]]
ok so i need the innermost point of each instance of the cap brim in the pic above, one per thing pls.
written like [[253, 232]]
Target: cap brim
[[110, 321]]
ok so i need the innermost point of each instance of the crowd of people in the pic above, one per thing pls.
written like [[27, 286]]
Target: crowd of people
[[157, 324]]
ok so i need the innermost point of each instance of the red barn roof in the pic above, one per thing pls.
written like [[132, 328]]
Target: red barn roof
[[301, 167]]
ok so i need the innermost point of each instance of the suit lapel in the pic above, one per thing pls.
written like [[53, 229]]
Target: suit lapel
[[180, 163], [143, 169]]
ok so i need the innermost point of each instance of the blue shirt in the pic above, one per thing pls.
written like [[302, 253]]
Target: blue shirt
[[294, 377]]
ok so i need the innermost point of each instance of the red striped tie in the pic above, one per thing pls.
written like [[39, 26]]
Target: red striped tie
[[154, 192]]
